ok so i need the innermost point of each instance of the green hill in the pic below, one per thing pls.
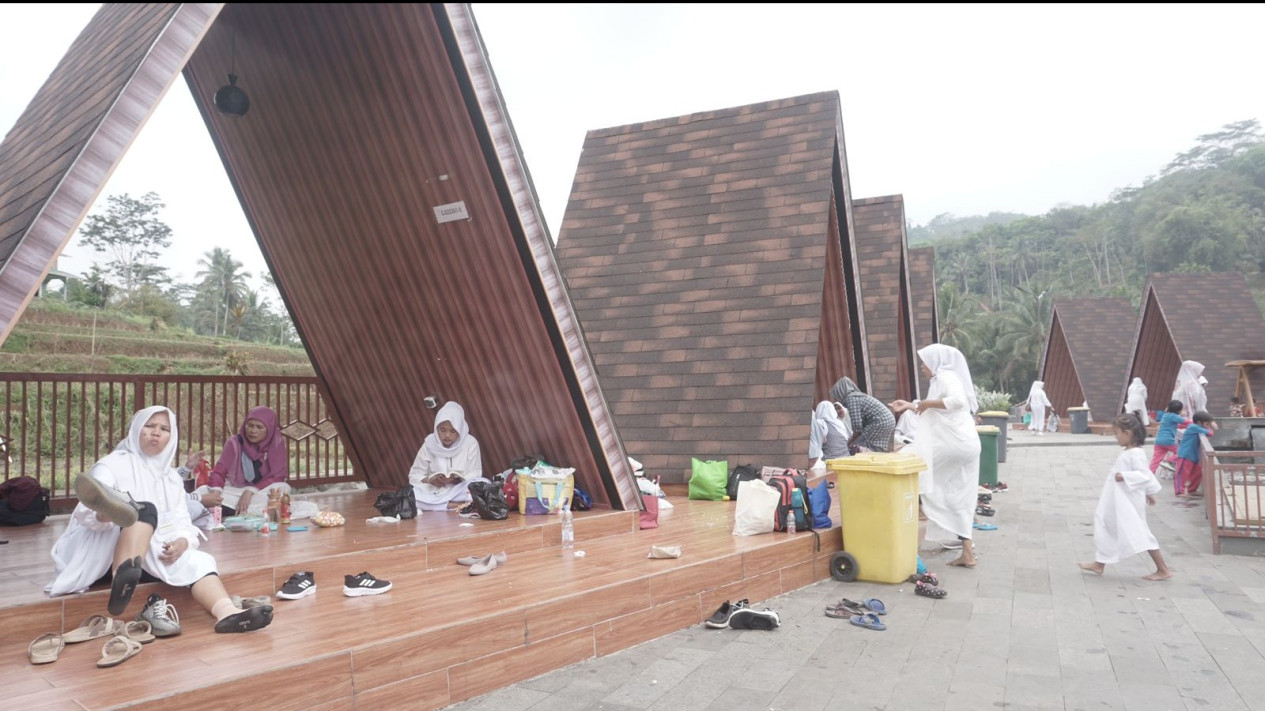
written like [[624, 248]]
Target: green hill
[[55, 337]]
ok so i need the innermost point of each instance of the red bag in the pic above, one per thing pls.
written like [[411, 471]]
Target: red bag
[[511, 491], [649, 517], [202, 474]]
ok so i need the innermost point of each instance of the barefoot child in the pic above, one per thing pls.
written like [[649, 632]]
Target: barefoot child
[[1120, 528], [1189, 473]]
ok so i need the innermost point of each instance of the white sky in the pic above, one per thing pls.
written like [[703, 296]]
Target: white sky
[[965, 109]]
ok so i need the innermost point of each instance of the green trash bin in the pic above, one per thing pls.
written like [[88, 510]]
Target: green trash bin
[[1079, 417], [987, 454], [1000, 420]]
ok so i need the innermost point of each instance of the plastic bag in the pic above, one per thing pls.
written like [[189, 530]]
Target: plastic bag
[[402, 503], [756, 509]]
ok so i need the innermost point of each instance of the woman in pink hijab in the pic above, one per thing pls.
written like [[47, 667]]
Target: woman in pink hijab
[[254, 461]]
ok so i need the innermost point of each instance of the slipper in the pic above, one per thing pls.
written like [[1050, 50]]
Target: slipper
[[841, 611], [985, 526], [931, 591], [118, 650], [929, 578], [875, 605], [139, 631], [868, 621], [45, 648], [92, 628], [124, 584], [984, 510]]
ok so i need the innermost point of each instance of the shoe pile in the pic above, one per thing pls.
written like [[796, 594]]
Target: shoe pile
[[484, 564], [740, 616], [862, 614]]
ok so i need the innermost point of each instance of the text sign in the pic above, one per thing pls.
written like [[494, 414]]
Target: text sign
[[451, 212]]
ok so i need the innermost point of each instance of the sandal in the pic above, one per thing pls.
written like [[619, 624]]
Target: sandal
[[875, 605], [984, 510], [45, 648], [931, 591], [118, 650], [92, 628], [139, 631], [928, 578], [868, 621], [842, 611]]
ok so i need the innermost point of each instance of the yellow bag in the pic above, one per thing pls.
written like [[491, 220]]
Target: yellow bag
[[544, 491]]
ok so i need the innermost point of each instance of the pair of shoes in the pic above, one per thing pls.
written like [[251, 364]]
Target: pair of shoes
[[926, 589], [748, 619], [720, 618], [257, 601], [45, 648], [300, 585], [984, 526], [983, 510], [161, 615], [928, 578], [248, 620], [118, 506], [844, 609], [364, 584], [868, 621], [117, 650], [123, 586], [480, 565]]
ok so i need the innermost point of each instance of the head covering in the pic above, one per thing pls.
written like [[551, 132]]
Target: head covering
[[842, 388], [271, 450], [131, 445], [1036, 385], [451, 413], [1190, 372], [940, 358], [826, 416]]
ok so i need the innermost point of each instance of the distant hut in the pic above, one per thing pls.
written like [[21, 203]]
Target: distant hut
[[883, 265], [1086, 351], [922, 289]]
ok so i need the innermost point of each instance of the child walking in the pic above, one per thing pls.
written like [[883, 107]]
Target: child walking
[[1120, 529], [1166, 436], [1189, 474]]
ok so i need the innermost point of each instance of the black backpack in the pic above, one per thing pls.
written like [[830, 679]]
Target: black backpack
[[792, 489], [23, 502], [744, 472]]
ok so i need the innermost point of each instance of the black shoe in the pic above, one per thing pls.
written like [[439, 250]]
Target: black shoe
[[124, 584], [720, 618], [255, 618], [300, 585], [748, 619], [364, 584]]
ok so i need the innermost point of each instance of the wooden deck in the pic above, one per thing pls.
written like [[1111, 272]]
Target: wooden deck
[[438, 637]]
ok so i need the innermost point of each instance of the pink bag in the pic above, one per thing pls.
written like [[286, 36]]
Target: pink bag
[[649, 517]]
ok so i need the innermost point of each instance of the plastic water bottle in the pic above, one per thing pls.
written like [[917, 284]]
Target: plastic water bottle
[[568, 529]]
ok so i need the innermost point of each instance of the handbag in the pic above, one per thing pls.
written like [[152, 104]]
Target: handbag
[[708, 479], [488, 501], [401, 503], [650, 515], [545, 490], [509, 490], [756, 509]]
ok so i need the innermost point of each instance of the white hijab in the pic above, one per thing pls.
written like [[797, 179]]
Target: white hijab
[[451, 413], [825, 417], [1189, 374], [130, 446], [940, 358], [147, 478], [1038, 386]]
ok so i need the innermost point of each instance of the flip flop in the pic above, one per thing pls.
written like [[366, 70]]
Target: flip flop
[[985, 510], [868, 621], [875, 605], [45, 648], [841, 611], [92, 628], [985, 526], [117, 650], [139, 631]]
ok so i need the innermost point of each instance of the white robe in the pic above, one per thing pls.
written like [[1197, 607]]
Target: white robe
[[1136, 400], [1120, 529], [1189, 390], [466, 462], [85, 550], [1037, 402], [949, 443]]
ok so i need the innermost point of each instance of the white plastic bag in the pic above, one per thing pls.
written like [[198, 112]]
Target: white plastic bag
[[757, 505]]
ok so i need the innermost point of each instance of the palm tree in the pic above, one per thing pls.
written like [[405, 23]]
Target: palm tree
[[958, 314], [221, 275]]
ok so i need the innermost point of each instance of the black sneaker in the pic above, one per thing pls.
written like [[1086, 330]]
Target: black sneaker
[[748, 619], [720, 618], [364, 584], [300, 585]]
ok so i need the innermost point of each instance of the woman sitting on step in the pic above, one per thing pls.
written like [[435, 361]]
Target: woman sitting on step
[[447, 462], [253, 462], [133, 519]]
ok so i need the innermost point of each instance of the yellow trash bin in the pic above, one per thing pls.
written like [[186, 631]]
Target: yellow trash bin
[[878, 503]]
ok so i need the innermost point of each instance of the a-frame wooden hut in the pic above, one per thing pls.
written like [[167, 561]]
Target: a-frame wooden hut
[[922, 289], [711, 258], [1206, 317], [883, 266], [369, 127], [1086, 352]]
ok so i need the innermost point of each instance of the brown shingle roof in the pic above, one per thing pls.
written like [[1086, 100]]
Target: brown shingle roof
[[696, 250], [922, 289], [1086, 352], [1206, 317], [882, 264]]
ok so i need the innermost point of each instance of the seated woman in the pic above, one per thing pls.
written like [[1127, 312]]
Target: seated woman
[[132, 519], [254, 461], [829, 435], [447, 462]]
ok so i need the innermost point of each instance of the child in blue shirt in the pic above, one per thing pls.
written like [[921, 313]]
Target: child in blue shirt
[[1189, 472], [1166, 437]]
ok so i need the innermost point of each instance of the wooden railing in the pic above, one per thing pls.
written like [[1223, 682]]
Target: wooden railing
[[1234, 492], [57, 425]]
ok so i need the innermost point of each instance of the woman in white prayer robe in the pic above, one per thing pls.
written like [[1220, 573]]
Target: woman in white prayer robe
[[1135, 401], [447, 462], [1190, 388], [1037, 402]]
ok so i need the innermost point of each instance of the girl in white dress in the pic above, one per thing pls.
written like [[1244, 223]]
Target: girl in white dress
[[1120, 528], [447, 462], [139, 522]]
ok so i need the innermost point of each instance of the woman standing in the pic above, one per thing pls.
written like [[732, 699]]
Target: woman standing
[[1037, 402], [1135, 402], [872, 422], [1190, 387], [447, 462], [948, 442]]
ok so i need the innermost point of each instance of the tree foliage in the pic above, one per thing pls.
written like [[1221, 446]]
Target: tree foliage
[[132, 234]]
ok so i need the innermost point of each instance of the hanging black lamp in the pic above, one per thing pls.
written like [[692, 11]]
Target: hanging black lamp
[[230, 100]]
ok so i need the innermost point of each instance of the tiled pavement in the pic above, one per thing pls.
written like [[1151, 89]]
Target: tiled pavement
[[1026, 629]]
